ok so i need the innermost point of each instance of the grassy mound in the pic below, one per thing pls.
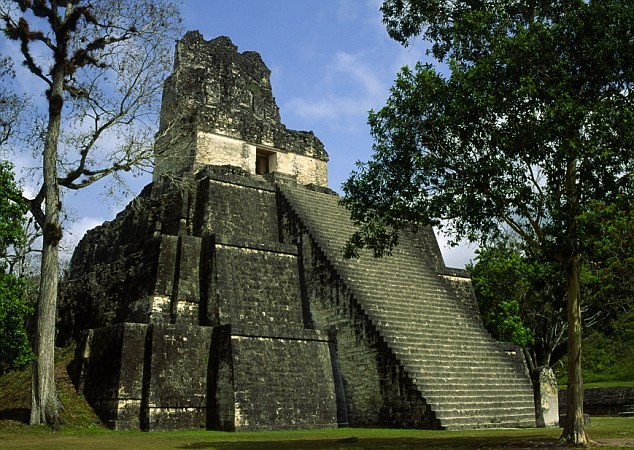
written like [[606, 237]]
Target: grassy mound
[[15, 398]]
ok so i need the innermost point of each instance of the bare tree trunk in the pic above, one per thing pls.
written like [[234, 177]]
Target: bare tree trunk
[[45, 404], [574, 432]]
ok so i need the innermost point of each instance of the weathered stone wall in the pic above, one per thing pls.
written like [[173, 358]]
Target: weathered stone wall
[[175, 377], [177, 294], [113, 272], [296, 392], [217, 150], [152, 377], [601, 401], [306, 170], [159, 283], [236, 211], [256, 286], [108, 371]]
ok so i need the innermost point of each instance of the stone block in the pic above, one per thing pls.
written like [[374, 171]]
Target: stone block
[[283, 396], [175, 377], [257, 286], [167, 263], [189, 269], [111, 372], [546, 397]]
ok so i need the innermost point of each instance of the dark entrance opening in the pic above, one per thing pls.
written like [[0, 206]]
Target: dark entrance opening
[[262, 161]]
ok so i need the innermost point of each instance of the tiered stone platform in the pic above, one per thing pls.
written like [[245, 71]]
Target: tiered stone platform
[[219, 297]]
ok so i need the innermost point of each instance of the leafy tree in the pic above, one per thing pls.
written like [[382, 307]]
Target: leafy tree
[[12, 212], [532, 125], [100, 66], [15, 351], [609, 349], [501, 287], [522, 299], [610, 254], [503, 291]]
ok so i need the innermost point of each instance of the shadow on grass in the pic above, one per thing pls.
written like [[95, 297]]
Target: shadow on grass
[[483, 442], [16, 414]]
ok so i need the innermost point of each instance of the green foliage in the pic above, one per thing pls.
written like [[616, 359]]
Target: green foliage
[[608, 354], [517, 290], [15, 351], [610, 254], [12, 211], [522, 299], [507, 322], [533, 124], [500, 285]]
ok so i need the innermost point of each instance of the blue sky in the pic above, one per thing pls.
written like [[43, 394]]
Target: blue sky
[[331, 62]]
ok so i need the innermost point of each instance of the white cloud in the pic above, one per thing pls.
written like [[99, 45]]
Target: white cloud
[[456, 256], [357, 70], [350, 87], [328, 109]]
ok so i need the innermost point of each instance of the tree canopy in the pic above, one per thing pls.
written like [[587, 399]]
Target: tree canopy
[[531, 126]]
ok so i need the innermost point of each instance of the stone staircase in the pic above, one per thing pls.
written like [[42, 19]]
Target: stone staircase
[[467, 377]]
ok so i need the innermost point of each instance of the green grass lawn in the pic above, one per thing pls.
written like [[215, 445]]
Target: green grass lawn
[[82, 430], [609, 432]]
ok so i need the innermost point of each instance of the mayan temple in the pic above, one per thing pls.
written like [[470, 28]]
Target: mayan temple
[[219, 298]]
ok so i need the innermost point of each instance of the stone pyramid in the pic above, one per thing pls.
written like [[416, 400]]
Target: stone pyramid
[[219, 297]]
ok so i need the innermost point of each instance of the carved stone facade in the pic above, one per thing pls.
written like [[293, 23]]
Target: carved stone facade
[[219, 298], [218, 109]]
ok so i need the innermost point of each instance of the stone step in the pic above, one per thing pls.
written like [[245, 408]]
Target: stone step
[[419, 355], [406, 289], [453, 401], [420, 303], [438, 338], [447, 407], [431, 383], [424, 306], [448, 388], [421, 315], [417, 337], [409, 300], [429, 318], [419, 311], [449, 369], [428, 325], [467, 423], [457, 340], [485, 412]]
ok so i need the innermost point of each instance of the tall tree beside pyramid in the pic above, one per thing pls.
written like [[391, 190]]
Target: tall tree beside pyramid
[[532, 125], [99, 67]]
